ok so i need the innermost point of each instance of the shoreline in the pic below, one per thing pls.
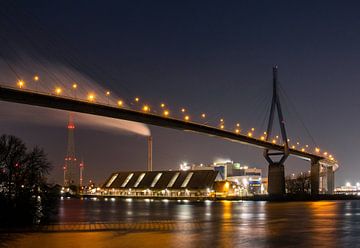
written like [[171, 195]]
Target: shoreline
[[286, 198]]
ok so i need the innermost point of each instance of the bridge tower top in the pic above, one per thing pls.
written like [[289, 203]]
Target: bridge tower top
[[276, 106]]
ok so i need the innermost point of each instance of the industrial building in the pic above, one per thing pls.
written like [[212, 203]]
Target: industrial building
[[248, 180], [189, 183]]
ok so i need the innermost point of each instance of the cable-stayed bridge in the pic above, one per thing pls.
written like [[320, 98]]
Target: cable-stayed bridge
[[275, 152]]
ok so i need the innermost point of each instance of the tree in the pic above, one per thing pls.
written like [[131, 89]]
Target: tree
[[298, 185], [24, 192]]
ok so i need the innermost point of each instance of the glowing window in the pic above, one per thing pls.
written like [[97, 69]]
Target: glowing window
[[187, 179], [173, 179], [156, 179], [140, 178], [127, 180], [112, 179]]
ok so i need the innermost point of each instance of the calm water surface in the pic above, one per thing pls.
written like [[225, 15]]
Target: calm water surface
[[144, 223]]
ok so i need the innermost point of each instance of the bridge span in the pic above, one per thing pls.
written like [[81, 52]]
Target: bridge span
[[41, 99]]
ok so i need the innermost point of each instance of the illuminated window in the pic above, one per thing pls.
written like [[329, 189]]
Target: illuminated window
[[156, 179], [187, 179], [127, 180], [112, 179], [140, 178], [173, 179]]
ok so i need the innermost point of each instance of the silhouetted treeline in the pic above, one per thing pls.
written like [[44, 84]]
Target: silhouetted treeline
[[25, 196], [299, 184]]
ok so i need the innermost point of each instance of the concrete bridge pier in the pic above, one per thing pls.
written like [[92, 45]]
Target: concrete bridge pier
[[329, 180], [315, 178], [276, 180]]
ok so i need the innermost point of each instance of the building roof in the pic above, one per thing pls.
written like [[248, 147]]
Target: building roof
[[192, 179]]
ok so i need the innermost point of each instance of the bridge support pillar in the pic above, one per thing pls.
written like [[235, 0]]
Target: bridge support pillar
[[276, 180], [315, 178], [330, 180]]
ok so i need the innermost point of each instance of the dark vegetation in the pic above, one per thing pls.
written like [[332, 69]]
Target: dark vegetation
[[25, 196]]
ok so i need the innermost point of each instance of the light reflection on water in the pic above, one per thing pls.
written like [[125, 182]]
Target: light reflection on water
[[210, 224]]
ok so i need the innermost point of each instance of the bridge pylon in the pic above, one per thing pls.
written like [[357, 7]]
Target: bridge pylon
[[276, 159]]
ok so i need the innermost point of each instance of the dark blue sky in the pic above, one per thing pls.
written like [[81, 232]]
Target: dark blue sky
[[210, 56]]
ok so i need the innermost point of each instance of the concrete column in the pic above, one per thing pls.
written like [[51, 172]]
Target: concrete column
[[149, 162], [276, 180], [330, 180], [315, 178]]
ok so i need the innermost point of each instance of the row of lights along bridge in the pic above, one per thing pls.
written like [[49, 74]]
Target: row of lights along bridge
[[91, 97]]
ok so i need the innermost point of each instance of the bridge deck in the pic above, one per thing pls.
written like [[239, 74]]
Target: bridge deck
[[76, 105]]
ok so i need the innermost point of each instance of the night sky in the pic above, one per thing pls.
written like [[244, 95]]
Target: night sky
[[207, 56]]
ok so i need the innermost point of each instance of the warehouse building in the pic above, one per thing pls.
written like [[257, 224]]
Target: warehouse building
[[161, 183]]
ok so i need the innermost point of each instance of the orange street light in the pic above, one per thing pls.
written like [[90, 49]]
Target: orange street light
[[146, 108], [58, 90], [91, 97], [21, 84]]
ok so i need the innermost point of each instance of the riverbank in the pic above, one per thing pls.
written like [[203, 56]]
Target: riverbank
[[286, 198]]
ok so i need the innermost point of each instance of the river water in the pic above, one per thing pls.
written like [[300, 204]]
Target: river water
[[158, 223]]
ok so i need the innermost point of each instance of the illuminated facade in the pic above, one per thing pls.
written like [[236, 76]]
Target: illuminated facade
[[248, 181], [160, 183]]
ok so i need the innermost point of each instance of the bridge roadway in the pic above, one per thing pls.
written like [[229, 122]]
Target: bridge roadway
[[77, 105]]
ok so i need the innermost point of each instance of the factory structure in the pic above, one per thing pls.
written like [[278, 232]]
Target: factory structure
[[215, 180], [73, 169]]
